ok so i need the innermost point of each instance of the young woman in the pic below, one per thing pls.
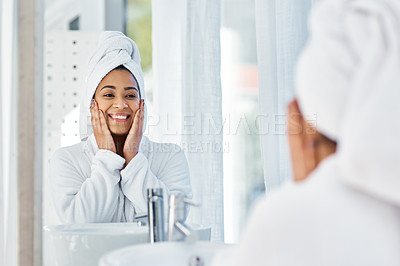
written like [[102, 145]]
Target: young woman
[[104, 178]]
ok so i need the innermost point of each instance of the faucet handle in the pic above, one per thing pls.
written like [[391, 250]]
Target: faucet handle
[[178, 208], [179, 198], [191, 202], [178, 204]]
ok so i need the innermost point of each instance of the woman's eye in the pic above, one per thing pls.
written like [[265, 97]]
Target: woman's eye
[[131, 96], [108, 95]]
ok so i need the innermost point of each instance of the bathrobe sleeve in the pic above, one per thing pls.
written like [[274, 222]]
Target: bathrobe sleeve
[[82, 199], [170, 172]]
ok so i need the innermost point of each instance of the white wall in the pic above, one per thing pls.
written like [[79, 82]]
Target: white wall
[[59, 13], [8, 99], [94, 15], [1, 156]]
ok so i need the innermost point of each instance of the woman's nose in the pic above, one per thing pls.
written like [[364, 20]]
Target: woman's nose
[[120, 102]]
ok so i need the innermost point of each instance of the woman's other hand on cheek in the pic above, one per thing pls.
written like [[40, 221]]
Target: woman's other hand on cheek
[[132, 143], [101, 132]]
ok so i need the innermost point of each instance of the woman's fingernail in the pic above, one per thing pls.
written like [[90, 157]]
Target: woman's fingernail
[[99, 111], [92, 103]]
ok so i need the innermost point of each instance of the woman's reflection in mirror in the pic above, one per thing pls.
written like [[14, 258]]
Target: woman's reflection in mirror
[[104, 178]]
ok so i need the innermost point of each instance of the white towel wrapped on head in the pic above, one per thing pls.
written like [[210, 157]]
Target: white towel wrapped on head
[[113, 49], [349, 76]]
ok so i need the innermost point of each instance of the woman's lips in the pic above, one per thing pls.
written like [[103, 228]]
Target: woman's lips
[[119, 117]]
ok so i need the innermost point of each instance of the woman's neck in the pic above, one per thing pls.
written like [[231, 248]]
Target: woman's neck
[[119, 141]]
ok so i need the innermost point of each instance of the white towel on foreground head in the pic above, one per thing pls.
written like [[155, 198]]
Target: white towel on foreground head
[[349, 75], [113, 49]]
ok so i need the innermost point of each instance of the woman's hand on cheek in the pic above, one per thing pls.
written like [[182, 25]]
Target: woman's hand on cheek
[[100, 129], [134, 137]]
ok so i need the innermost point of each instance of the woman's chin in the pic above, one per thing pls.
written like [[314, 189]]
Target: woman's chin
[[119, 132], [120, 129]]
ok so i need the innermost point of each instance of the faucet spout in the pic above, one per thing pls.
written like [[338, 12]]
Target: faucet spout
[[156, 214]]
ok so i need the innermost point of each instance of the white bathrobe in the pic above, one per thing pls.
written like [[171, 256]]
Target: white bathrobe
[[319, 222], [347, 212], [92, 185]]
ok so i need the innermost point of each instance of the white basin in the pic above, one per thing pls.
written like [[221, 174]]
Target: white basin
[[84, 244], [163, 254]]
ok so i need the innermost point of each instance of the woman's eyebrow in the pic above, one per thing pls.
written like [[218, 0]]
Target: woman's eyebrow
[[108, 86], [131, 88], [113, 87]]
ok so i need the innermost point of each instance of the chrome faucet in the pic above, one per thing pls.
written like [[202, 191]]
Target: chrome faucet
[[155, 204], [178, 209]]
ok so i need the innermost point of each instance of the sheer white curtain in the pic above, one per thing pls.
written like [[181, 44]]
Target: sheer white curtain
[[281, 27], [187, 97], [202, 103]]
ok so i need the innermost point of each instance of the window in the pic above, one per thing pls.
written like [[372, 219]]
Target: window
[[74, 24]]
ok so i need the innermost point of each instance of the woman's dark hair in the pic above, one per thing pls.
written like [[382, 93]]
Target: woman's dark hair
[[121, 67]]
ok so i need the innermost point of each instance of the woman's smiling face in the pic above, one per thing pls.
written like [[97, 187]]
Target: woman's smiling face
[[118, 97]]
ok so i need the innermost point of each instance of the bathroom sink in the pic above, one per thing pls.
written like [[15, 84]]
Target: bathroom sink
[[84, 244], [163, 254]]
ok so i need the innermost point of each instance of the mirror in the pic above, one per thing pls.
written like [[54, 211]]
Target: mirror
[[72, 29]]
